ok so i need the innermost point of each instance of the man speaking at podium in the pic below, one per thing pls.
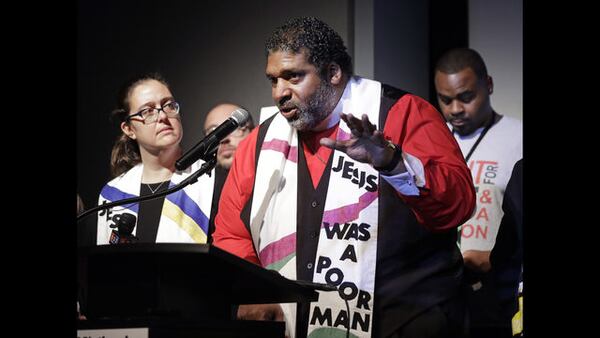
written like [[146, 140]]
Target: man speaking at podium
[[355, 184]]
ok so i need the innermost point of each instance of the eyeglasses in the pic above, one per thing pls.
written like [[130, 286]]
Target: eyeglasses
[[239, 132], [150, 114]]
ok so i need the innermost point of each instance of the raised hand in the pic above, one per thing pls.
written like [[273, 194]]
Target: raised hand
[[366, 144]]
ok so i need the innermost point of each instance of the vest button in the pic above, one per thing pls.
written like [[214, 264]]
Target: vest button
[[314, 204], [309, 266]]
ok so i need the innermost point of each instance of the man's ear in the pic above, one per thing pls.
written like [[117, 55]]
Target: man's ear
[[126, 128], [334, 73], [490, 85]]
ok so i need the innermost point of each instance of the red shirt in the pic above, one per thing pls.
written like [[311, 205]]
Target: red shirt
[[317, 155]]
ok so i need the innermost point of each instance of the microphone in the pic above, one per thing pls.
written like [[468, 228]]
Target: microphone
[[210, 143], [124, 223]]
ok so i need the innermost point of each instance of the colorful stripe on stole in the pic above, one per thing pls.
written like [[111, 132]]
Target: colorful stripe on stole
[[111, 193], [275, 255], [350, 212], [181, 209], [290, 153]]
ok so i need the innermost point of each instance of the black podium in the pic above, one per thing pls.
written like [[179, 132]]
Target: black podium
[[181, 290]]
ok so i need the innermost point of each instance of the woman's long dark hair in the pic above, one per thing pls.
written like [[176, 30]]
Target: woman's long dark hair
[[126, 151]]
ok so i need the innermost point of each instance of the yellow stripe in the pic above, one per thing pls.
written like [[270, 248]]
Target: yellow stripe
[[517, 320], [185, 222]]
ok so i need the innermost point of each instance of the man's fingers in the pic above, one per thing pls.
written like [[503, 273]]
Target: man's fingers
[[260, 312], [333, 144], [359, 127], [378, 137], [279, 314], [354, 124], [329, 143], [367, 126]]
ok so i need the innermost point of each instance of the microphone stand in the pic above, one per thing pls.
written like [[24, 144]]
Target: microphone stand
[[206, 167]]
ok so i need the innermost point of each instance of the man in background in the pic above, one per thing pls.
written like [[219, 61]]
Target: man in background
[[491, 144], [215, 117]]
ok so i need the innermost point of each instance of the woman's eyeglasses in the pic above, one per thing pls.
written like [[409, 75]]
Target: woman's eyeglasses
[[150, 114]]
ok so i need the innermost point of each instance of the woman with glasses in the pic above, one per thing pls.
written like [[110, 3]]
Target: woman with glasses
[[143, 162]]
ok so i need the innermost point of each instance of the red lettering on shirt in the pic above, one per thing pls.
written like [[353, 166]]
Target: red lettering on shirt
[[481, 164], [482, 214]]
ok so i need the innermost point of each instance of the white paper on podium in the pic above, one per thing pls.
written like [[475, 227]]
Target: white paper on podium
[[141, 332]]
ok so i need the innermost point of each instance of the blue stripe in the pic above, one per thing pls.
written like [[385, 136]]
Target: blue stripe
[[113, 194], [190, 208]]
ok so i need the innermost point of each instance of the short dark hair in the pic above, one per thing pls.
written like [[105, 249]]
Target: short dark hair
[[323, 44], [457, 59]]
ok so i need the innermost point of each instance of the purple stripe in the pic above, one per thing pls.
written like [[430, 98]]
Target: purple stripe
[[342, 135], [290, 153], [349, 212], [278, 250]]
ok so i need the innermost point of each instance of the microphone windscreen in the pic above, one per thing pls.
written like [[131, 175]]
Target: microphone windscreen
[[240, 116]]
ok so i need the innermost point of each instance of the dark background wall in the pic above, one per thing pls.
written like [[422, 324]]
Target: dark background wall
[[401, 44], [496, 32]]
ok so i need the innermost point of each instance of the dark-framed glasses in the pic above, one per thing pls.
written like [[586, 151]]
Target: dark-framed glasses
[[150, 114]]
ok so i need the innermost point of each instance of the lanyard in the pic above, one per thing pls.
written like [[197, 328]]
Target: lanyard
[[489, 125]]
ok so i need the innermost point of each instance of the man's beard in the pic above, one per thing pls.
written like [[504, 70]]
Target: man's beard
[[316, 109]]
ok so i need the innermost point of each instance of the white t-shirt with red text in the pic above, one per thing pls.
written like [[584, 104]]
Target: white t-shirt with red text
[[491, 165]]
